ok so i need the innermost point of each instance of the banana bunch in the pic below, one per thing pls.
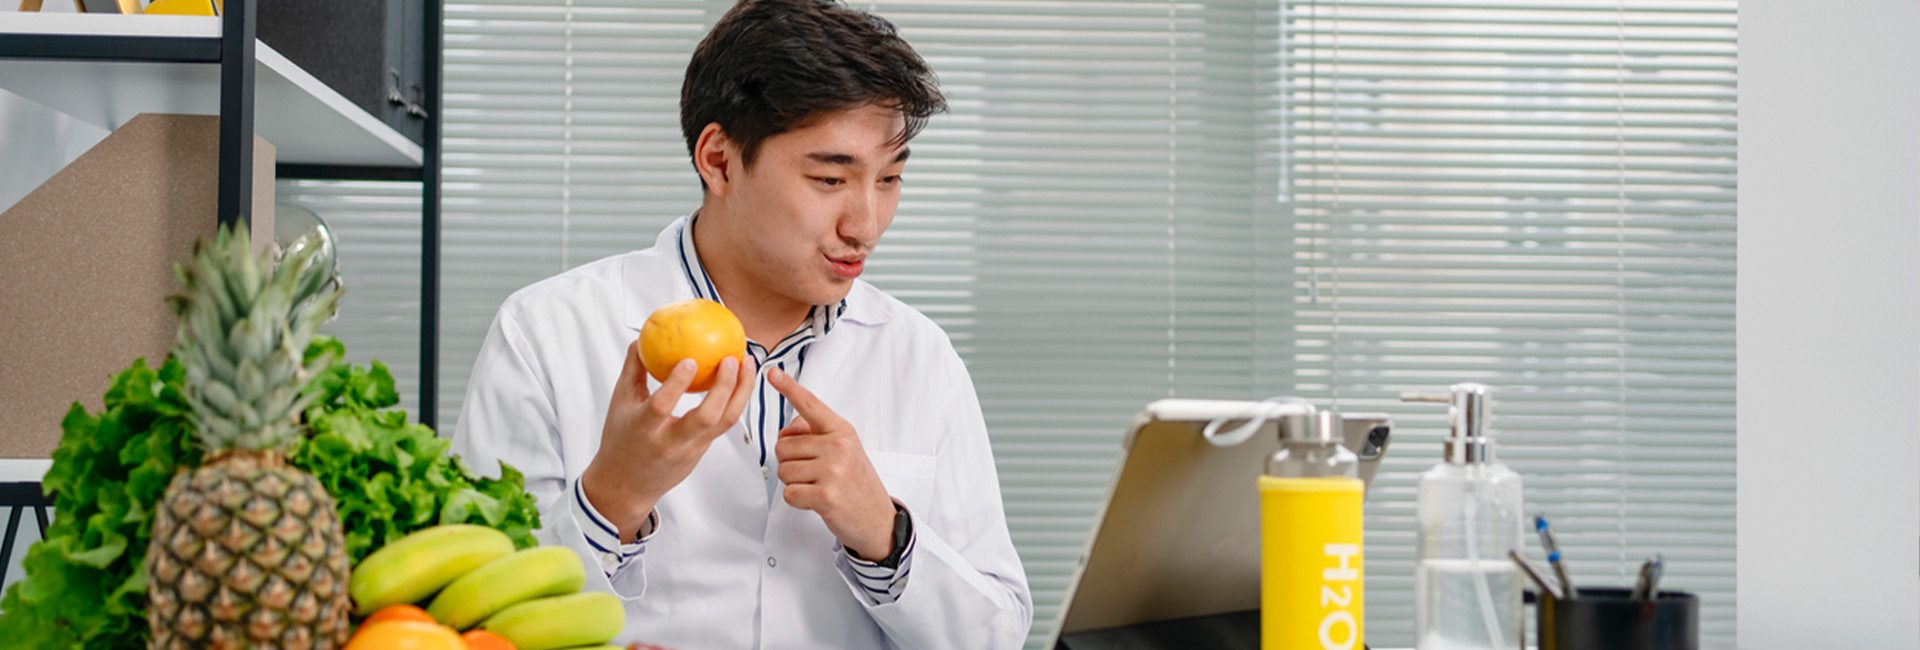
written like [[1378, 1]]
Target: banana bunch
[[531, 598]]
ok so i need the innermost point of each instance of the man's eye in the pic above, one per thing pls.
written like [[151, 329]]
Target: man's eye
[[829, 182], [892, 180]]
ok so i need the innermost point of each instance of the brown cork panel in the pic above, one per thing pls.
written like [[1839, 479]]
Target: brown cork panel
[[86, 261]]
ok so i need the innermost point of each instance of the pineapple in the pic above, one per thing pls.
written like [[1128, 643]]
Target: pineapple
[[247, 551]]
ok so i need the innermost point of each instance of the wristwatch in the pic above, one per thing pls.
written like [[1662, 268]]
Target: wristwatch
[[902, 532]]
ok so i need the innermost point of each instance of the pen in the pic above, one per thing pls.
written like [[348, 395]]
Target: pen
[[1546, 589], [1647, 588], [1553, 557]]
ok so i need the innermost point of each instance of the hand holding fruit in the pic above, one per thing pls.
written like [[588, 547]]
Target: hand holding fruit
[[645, 450], [826, 470]]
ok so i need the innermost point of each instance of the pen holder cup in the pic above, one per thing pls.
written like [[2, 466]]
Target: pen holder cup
[[1609, 619]]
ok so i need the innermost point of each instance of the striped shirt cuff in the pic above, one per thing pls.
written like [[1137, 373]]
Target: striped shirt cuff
[[604, 538], [879, 584]]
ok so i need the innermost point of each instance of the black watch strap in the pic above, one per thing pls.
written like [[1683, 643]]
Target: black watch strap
[[902, 533]]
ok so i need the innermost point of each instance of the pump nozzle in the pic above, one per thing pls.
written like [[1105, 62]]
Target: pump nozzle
[[1467, 441]]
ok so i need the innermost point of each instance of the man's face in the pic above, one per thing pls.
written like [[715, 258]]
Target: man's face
[[815, 201]]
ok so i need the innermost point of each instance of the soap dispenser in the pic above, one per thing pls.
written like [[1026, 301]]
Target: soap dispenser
[[1467, 593]]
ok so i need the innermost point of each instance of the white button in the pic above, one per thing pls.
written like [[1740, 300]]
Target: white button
[[765, 471], [610, 559], [772, 562]]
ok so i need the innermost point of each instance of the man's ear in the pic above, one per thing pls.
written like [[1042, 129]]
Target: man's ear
[[716, 157]]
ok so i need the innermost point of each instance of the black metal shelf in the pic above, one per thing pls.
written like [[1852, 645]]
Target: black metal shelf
[[17, 497], [234, 51], [150, 49]]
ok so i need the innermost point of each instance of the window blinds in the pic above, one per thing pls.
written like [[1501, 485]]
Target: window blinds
[[1537, 196], [376, 226]]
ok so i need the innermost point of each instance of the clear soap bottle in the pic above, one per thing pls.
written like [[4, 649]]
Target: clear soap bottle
[[1467, 593]]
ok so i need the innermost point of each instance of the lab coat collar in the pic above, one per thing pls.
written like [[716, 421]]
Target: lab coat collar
[[863, 305]]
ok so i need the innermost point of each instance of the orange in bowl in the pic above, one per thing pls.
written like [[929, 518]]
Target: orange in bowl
[[484, 640], [702, 330], [406, 635], [398, 613]]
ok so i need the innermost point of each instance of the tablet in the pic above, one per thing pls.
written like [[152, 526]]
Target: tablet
[[1179, 534]]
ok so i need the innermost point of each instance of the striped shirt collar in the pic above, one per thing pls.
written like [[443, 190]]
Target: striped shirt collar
[[821, 319]]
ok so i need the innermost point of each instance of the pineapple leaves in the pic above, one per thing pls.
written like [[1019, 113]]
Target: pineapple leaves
[[244, 323]]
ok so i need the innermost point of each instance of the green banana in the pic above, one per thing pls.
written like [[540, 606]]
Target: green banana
[[529, 574], [560, 621], [415, 566]]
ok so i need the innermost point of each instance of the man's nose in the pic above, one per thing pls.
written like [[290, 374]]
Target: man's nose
[[860, 223]]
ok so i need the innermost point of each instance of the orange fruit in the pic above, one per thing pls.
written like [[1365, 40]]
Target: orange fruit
[[484, 640], [702, 330], [398, 613], [406, 635]]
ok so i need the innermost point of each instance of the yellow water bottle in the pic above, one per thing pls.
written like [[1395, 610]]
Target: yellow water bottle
[[1312, 566]]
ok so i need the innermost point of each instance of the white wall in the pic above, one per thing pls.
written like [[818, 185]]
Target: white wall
[[1829, 324], [35, 143]]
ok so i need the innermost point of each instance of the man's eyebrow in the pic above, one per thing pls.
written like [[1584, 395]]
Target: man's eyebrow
[[832, 158], [836, 158]]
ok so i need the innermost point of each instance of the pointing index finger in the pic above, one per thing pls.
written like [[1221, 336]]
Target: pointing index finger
[[804, 401]]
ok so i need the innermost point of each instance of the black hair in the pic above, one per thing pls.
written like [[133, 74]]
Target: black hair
[[770, 66]]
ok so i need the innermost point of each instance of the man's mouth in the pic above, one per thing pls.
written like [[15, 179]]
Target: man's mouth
[[848, 267]]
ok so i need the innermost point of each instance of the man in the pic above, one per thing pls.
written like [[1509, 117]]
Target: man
[[837, 491]]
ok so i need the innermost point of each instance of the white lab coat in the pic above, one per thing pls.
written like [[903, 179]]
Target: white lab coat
[[731, 565]]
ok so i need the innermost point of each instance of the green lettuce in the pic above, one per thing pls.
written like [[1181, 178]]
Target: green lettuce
[[390, 477], [85, 584]]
